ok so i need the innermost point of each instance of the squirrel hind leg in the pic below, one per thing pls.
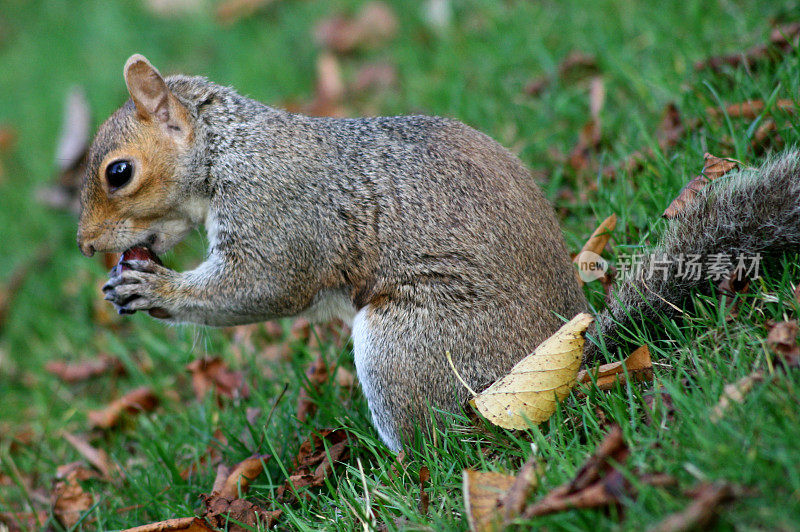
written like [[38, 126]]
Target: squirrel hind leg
[[403, 373], [368, 348]]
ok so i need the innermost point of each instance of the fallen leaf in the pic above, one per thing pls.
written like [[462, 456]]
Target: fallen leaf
[[239, 479], [783, 38], [638, 364], [482, 491], [734, 393], [782, 339], [186, 524], [230, 11], [735, 283], [374, 24], [532, 388], [587, 258], [750, 108], [97, 457], [713, 168], [598, 482], [315, 461], [317, 375], [139, 400], [513, 501], [70, 502], [231, 514], [700, 514], [85, 369], [213, 374], [424, 496]]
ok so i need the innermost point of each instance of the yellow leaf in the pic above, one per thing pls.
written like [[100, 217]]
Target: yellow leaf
[[482, 492], [532, 387]]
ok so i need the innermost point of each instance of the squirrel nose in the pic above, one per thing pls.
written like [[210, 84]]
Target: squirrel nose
[[86, 248]]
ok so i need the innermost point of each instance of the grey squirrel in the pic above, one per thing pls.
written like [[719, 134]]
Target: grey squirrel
[[424, 234]]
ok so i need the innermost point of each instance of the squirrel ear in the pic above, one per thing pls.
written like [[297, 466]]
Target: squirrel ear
[[147, 88], [151, 95]]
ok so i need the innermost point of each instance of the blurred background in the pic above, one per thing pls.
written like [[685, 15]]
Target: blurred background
[[538, 76]]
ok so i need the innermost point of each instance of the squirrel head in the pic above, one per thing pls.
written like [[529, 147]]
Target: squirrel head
[[135, 188]]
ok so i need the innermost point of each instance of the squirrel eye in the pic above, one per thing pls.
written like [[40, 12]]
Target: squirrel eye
[[119, 173]]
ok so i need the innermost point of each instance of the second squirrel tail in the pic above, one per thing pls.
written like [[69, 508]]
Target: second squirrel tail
[[734, 222]]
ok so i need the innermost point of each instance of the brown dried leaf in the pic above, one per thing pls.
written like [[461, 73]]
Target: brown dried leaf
[[213, 374], [599, 239], [733, 284], [139, 400], [482, 493], [783, 39], [97, 457], [70, 502], [230, 11], [713, 168], [513, 501], [223, 472], [424, 496], [587, 259], [317, 375], [314, 463], [374, 24], [239, 479], [701, 512], [185, 524], [225, 513], [85, 369], [638, 364], [734, 393], [782, 339], [751, 108], [598, 483]]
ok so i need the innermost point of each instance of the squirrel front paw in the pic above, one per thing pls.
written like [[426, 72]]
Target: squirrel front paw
[[140, 285]]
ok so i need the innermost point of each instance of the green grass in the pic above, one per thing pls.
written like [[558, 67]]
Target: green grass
[[476, 71]]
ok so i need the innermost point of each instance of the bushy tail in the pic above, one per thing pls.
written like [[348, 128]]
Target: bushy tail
[[750, 213]]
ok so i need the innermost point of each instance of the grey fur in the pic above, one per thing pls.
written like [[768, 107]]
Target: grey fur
[[435, 234]]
